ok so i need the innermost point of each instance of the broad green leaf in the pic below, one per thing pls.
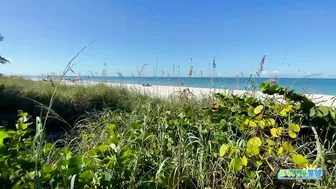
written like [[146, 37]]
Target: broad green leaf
[[237, 165], [252, 124], [21, 125], [294, 127], [102, 148], [287, 147], [333, 114], [252, 150], [300, 160], [312, 112], [255, 141], [292, 134], [250, 111], [223, 150], [244, 161], [127, 153], [258, 109], [3, 135], [86, 176], [324, 110], [78, 161]]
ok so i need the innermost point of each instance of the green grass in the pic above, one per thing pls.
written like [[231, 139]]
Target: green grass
[[123, 139]]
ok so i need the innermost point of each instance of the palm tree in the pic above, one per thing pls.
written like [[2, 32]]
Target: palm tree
[[2, 59]]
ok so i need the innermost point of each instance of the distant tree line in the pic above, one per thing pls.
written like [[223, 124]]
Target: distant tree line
[[2, 59]]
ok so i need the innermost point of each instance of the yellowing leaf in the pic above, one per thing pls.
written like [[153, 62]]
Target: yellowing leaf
[[252, 150], [283, 113], [287, 147], [233, 151], [246, 122], [288, 107], [262, 124], [291, 134], [236, 163], [258, 109], [300, 160], [274, 132], [280, 150], [279, 130], [294, 127], [255, 141], [223, 150], [271, 142], [258, 163], [244, 161], [276, 107], [270, 122], [252, 124], [259, 117], [270, 151]]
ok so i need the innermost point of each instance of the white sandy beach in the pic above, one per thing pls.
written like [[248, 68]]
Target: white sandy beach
[[175, 91]]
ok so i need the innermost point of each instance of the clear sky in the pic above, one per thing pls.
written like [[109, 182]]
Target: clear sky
[[298, 37]]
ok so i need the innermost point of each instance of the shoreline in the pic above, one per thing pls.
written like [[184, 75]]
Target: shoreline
[[163, 91]]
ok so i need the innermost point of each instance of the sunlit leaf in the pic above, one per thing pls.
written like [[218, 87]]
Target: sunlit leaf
[[237, 164], [252, 123], [333, 114], [3, 135], [270, 122], [244, 160], [294, 127], [223, 150], [233, 151], [300, 160], [292, 134], [252, 150], [324, 110], [255, 141], [258, 109], [246, 122], [312, 112], [102, 147], [261, 124]]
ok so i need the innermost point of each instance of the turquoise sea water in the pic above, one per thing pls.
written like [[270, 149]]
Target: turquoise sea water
[[305, 85]]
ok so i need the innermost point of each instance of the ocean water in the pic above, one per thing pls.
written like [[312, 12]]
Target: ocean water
[[301, 85]]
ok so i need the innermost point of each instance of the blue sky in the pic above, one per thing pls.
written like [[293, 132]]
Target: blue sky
[[41, 36]]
